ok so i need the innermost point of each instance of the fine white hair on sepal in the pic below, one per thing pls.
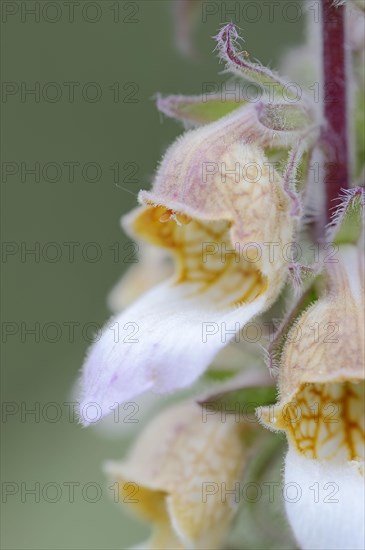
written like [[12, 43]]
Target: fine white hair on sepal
[[346, 202]]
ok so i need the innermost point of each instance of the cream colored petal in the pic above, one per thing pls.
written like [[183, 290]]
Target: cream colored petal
[[323, 421], [321, 379], [184, 462], [223, 180], [181, 324], [327, 343], [146, 505], [229, 258], [212, 260]]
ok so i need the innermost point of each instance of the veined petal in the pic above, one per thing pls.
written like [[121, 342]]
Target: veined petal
[[203, 172], [178, 325], [321, 409], [178, 467], [321, 380], [216, 231]]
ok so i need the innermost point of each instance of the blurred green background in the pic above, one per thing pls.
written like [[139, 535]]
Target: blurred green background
[[134, 48]]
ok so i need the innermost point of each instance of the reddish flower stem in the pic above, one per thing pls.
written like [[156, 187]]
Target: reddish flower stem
[[335, 103]]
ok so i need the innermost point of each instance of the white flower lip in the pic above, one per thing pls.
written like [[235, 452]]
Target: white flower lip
[[328, 512]]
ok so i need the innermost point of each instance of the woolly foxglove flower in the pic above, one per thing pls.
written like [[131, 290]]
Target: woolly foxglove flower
[[321, 409], [217, 206], [176, 476]]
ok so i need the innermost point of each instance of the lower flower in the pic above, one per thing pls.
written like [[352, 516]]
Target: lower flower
[[322, 412], [177, 476]]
